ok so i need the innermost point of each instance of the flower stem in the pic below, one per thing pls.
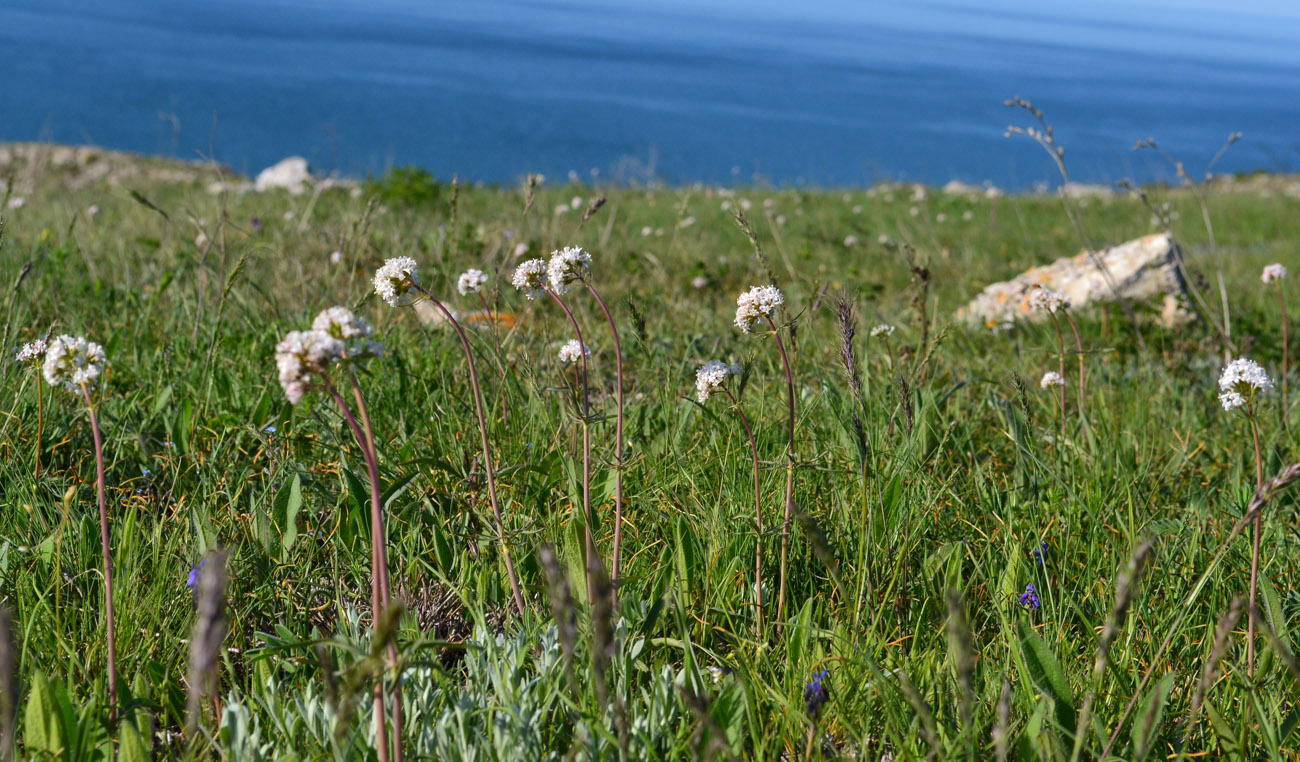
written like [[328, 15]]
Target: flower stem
[[108, 556], [501, 356], [377, 602], [592, 553], [380, 549], [618, 444], [487, 451], [1286, 409], [1078, 343], [758, 512], [1060, 342], [789, 479], [40, 422], [1254, 553]]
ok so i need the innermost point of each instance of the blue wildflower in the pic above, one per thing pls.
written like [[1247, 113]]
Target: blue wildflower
[[1029, 598], [269, 429], [193, 579], [1040, 553], [816, 694]]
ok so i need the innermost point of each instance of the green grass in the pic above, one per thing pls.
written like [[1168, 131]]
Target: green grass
[[960, 481]]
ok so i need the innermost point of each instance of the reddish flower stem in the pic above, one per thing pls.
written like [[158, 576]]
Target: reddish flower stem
[[758, 511], [618, 444], [486, 447], [107, 552], [789, 479]]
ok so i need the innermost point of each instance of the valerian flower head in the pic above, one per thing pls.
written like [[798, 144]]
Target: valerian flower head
[[1046, 299], [1273, 273], [711, 377], [471, 282], [71, 361], [572, 351], [32, 351], [1241, 382], [343, 324], [302, 354], [1051, 378], [530, 278], [396, 280], [816, 693], [567, 265], [882, 330], [757, 303]]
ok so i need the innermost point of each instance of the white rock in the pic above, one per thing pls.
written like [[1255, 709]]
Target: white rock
[[1144, 271], [292, 174]]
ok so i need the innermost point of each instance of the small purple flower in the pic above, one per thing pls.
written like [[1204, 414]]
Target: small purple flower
[[1029, 598], [1040, 553], [255, 224], [816, 694], [193, 580], [269, 429]]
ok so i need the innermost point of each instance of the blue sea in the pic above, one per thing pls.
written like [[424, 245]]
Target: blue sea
[[823, 93]]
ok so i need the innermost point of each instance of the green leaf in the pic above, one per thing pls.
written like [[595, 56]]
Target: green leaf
[[1046, 673], [288, 501], [42, 727], [1148, 720]]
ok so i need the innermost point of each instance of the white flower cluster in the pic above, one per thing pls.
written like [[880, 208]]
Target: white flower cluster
[[342, 324], [1047, 299], [471, 282], [396, 279], [710, 378], [882, 330], [567, 265], [1051, 378], [32, 350], [1240, 382], [301, 354], [758, 302], [71, 361], [572, 351], [1273, 273], [530, 278]]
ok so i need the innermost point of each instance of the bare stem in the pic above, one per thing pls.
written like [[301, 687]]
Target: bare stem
[[380, 550], [618, 443], [377, 602], [487, 450], [1254, 553], [1060, 342], [108, 556], [758, 512], [1078, 344], [1286, 410], [789, 478], [592, 553], [40, 420], [501, 355]]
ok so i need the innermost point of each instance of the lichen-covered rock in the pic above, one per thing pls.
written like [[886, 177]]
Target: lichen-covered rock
[[1143, 272]]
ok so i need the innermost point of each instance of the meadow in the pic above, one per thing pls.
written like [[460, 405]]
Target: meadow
[[933, 482]]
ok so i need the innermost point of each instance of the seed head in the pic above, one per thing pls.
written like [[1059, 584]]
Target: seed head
[[71, 361], [530, 278], [471, 282], [567, 265], [395, 281], [757, 303]]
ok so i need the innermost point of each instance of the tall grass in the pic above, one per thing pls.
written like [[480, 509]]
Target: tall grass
[[925, 487]]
